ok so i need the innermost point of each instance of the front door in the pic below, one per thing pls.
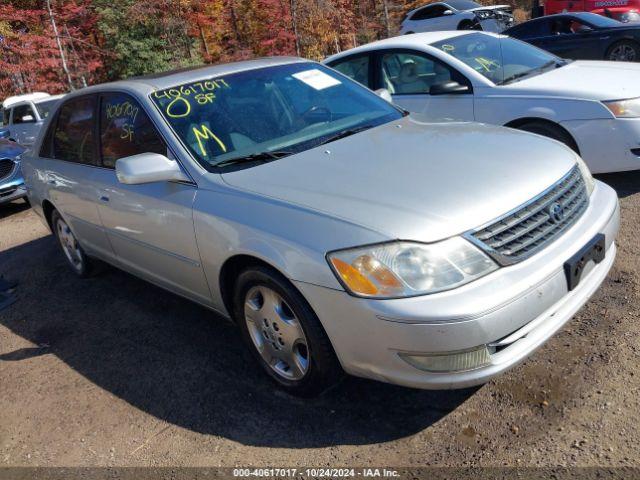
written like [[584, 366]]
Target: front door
[[150, 226], [409, 76], [26, 124]]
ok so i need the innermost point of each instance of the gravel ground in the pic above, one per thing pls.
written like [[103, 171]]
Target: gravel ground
[[112, 371]]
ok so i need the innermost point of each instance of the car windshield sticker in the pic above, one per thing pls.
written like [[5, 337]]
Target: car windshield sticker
[[448, 48], [317, 79]]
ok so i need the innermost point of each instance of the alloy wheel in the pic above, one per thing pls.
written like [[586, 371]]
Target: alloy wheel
[[69, 245], [623, 53], [276, 333]]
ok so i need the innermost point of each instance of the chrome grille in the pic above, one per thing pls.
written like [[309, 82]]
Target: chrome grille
[[6, 167], [535, 225]]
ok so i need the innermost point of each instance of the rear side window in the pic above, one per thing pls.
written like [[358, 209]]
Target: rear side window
[[23, 114], [356, 68], [429, 12], [73, 138], [125, 129]]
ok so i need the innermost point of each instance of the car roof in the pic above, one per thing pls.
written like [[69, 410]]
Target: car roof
[[49, 99], [157, 81], [408, 41]]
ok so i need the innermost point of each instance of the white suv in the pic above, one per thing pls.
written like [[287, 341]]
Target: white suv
[[457, 15]]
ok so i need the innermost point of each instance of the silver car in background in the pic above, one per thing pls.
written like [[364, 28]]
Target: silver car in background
[[340, 233]]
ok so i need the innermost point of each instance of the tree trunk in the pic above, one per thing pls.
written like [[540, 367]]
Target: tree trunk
[[294, 22], [386, 17], [62, 56]]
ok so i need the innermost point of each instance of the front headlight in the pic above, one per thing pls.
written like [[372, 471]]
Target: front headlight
[[624, 108], [405, 269], [483, 14], [589, 182]]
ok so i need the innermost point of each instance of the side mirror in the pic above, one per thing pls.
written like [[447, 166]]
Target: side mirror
[[448, 88], [447, 12], [148, 168], [27, 119], [384, 94], [4, 133]]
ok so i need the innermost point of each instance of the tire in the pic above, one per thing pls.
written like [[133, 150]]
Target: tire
[[550, 131], [284, 334], [79, 262], [623, 51]]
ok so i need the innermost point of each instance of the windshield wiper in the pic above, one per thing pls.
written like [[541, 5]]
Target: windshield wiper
[[541, 68], [345, 133], [254, 157]]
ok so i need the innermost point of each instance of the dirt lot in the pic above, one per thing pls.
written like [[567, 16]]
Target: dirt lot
[[113, 371]]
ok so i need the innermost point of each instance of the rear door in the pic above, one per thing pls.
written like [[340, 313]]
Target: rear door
[[70, 152], [150, 226], [409, 76]]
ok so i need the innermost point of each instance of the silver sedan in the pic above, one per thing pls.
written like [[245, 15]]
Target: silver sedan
[[340, 233]]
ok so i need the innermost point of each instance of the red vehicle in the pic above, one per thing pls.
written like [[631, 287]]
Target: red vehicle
[[622, 10]]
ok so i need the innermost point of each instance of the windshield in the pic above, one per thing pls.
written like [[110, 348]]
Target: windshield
[[500, 59], [283, 109], [598, 21]]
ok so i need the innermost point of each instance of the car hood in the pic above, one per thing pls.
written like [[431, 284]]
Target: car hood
[[412, 180], [490, 7], [10, 149], [585, 79]]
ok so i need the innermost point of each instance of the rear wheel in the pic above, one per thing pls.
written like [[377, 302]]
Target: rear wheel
[[624, 51], [551, 131], [73, 252], [283, 333]]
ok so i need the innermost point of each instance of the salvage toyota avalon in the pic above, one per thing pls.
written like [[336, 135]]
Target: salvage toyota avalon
[[340, 233]]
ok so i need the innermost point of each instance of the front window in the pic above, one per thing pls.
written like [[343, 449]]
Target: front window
[[500, 59], [271, 111], [44, 108]]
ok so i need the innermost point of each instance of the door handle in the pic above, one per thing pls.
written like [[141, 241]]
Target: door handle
[[104, 198]]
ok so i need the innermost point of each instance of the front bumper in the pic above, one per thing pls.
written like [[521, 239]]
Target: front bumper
[[12, 187], [621, 135], [523, 305]]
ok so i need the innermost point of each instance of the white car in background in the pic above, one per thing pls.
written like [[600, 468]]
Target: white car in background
[[24, 115], [592, 107], [457, 15]]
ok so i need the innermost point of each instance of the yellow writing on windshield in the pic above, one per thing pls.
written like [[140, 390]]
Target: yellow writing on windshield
[[487, 64], [203, 133], [179, 104]]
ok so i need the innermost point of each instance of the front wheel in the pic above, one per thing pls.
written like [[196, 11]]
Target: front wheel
[[624, 51], [550, 131], [284, 334], [73, 252]]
